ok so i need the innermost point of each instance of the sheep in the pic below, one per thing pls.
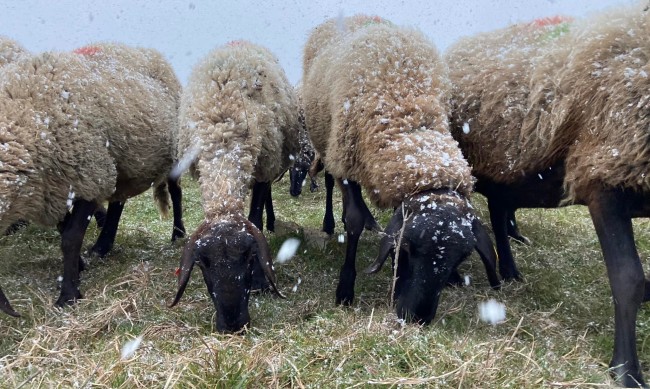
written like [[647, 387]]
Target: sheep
[[557, 113], [376, 107], [78, 129], [239, 127], [10, 51]]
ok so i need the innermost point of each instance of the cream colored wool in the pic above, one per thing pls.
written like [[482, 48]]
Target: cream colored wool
[[532, 95], [97, 127], [376, 106], [331, 31], [10, 50], [241, 113]]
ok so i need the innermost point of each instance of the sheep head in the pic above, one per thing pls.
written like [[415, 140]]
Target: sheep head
[[300, 168], [436, 231], [225, 252]]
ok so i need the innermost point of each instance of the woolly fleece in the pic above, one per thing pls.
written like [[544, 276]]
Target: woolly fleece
[[535, 94], [376, 106], [240, 113], [96, 127]]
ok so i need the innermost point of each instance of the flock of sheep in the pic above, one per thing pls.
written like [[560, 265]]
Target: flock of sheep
[[538, 114]]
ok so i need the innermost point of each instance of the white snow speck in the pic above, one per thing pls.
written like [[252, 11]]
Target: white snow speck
[[384, 120], [108, 143], [65, 95], [467, 280], [615, 153], [492, 311], [346, 106], [130, 347], [465, 128], [287, 250], [59, 278], [341, 238], [540, 176], [291, 157]]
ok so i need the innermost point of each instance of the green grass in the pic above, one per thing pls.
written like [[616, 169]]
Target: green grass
[[558, 332]]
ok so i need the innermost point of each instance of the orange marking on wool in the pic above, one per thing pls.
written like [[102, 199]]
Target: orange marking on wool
[[87, 50], [551, 21]]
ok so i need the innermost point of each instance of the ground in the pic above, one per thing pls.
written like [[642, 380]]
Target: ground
[[558, 330]]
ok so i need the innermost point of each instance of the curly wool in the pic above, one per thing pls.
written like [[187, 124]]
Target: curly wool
[[97, 127], [535, 94], [376, 108], [10, 51], [241, 113]]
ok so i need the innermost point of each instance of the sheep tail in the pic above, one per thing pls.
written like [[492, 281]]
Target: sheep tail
[[162, 198]]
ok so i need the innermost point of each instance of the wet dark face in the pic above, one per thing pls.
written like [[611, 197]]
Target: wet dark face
[[297, 174], [434, 242], [225, 255]]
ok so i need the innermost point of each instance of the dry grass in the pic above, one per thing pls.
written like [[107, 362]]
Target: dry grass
[[558, 331]]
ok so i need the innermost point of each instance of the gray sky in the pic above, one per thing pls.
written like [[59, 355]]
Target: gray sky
[[185, 31]]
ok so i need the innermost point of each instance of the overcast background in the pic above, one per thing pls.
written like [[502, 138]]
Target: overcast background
[[185, 31]]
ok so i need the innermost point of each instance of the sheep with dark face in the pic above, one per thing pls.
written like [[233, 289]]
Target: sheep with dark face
[[105, 125], [551, 113], [239, 126], [376, 106]]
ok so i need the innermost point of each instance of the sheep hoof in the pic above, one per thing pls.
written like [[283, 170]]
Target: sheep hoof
[[99, 250], [521, 240], [68, 298], [344, 299], [177, 234]]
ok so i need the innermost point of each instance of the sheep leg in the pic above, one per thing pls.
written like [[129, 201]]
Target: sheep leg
[[499, 219], [100, 216], [513, 229], [72, 236], [107, 236], [328, 219], [270, 215], [354, 221], [258, 198], [613, 224], [176, 194]]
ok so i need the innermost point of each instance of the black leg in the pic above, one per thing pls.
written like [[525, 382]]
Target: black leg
[[176, 194], [354, 221], [499, 219], [270, 215], [513, 228], [100, 216], [328, 220], [109, 231], [258, 198], [613, 225], [72, 235]]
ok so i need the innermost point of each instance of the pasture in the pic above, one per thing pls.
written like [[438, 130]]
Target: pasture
[[558, 330]]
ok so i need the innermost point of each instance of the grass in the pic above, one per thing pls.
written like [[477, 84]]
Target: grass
[[558, 332]]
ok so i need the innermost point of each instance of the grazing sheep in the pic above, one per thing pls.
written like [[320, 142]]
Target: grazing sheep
[[239, 125], [376, 108], [552, 113], [80, 129]]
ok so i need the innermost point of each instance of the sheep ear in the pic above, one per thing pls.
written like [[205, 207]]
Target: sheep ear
[[263, 255], [387, 244], [5, 306], [187, 263], [487, 253]]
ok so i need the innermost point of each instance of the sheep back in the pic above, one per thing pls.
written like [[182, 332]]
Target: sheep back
[[80, 126], [376, 106], [241, 112], [504, 91], [10, 50], [334, 30], [608, 81]]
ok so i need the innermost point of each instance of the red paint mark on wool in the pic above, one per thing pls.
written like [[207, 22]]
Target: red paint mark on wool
[[237, 43], [177, 272], [87, 50], [551, 21]]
